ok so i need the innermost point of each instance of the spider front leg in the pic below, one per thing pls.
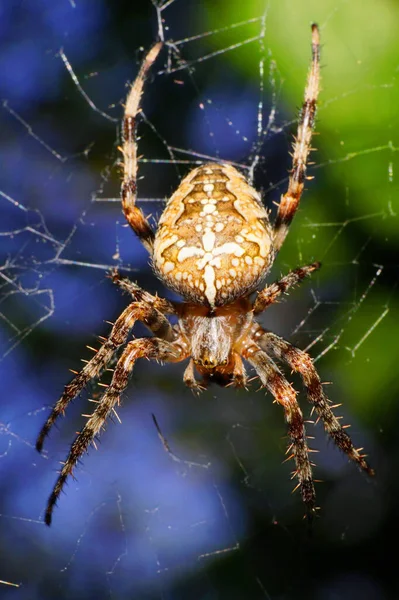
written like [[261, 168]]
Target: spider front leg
[[270, 293], [302, 363], [133, 214], [151, 348], [290, 201], [284, 394], [151, 317]]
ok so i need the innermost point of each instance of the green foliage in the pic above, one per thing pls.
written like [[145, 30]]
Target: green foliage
[[349, 214]]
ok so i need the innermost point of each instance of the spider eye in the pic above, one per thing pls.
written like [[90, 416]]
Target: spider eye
[[209, 362]]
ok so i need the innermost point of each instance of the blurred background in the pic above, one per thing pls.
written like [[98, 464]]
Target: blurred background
[[221, 522]]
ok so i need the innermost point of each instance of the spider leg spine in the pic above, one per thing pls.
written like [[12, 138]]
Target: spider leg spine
[[302, 363], [139, 348], [139, 295], [133, 214], [290, 200], [92, 369], [271, 293], [285, 395]]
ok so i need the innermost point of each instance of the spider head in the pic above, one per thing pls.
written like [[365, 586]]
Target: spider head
[[210, 343], [210, 360], [213, 333]]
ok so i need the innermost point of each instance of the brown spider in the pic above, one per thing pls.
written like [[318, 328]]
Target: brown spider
[[214, 246]]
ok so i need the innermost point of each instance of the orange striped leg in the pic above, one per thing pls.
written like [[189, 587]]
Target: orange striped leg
[[290, 201], [151, 348], [271, 293], [133, 214], [302, 363], [118, 336], [284, 394]]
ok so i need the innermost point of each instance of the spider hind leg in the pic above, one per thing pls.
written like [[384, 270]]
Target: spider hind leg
[[151, 348], [302, 363], [284, 394]]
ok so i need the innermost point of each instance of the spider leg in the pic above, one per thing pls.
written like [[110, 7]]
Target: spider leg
[[139, 295], [302, 363], [290, 201], [133, 214], [272, 378], [271, 292], [151, 317], [151, 348]]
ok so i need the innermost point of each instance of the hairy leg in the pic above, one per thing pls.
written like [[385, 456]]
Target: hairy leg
[[302, 363], [290, 201], [284, 394], [270, 293], [118, 336], [151, 348], [139, 295], [133, 214]]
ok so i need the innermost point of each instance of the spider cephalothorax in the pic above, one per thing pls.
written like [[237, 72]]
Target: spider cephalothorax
[[214, 246]]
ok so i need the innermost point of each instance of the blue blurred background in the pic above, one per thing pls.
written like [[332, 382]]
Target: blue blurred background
[[135, 523]]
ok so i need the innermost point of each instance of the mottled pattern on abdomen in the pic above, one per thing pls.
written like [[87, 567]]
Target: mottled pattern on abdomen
[[213, 242]]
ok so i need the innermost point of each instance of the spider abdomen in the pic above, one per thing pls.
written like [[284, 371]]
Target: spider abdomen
[[214, 241]]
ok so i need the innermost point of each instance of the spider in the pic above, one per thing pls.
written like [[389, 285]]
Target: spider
[[214, 246]]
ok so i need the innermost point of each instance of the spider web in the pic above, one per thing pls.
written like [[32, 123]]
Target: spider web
[[199, 505]]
